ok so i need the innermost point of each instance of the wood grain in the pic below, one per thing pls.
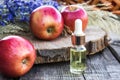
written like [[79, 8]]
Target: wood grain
[[58, 50], [115, 49], [100, 66]]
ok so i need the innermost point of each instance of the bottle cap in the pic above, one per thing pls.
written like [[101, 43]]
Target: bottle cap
[[78, 37]]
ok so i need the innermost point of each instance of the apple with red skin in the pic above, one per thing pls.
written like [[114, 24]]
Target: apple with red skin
[[46, 22], [17, 56], [71, 13]]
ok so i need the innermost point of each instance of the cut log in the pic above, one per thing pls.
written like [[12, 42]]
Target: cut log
[[58, 50]]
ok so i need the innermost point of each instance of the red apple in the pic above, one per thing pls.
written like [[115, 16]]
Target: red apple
[[17, 56], [46, 22], [73, 12]]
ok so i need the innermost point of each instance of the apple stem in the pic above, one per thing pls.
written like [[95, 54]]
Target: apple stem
[[49, 30], [24, 61], [72, 8]]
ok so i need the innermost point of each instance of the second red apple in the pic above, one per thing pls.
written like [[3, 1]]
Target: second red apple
[[73, 12], [46, 22]]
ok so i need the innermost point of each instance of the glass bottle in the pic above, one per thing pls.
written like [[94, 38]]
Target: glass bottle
[[78, 51]]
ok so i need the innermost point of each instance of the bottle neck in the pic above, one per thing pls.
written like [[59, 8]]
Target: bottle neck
[[79, 47], [78, 40]]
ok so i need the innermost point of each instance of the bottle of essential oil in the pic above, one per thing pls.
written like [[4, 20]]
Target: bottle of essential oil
[[78, 51]]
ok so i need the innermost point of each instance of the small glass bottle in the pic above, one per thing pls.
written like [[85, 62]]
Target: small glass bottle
[[78, 51]]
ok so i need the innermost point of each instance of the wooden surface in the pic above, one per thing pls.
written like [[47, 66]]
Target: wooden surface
[[101, 66], [58, 50]]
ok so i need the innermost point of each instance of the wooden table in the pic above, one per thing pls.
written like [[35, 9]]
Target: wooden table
[[104, 65]]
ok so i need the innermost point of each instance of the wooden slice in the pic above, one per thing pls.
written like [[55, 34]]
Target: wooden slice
[[58, 50]]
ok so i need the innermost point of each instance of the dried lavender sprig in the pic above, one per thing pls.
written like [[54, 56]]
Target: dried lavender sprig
[[20, 10], [5, 16]]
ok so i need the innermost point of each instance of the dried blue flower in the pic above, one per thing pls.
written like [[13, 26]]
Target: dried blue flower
[[5, 15], [20, 10]]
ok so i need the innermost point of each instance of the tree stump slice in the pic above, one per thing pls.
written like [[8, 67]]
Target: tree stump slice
[[58, 50]]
